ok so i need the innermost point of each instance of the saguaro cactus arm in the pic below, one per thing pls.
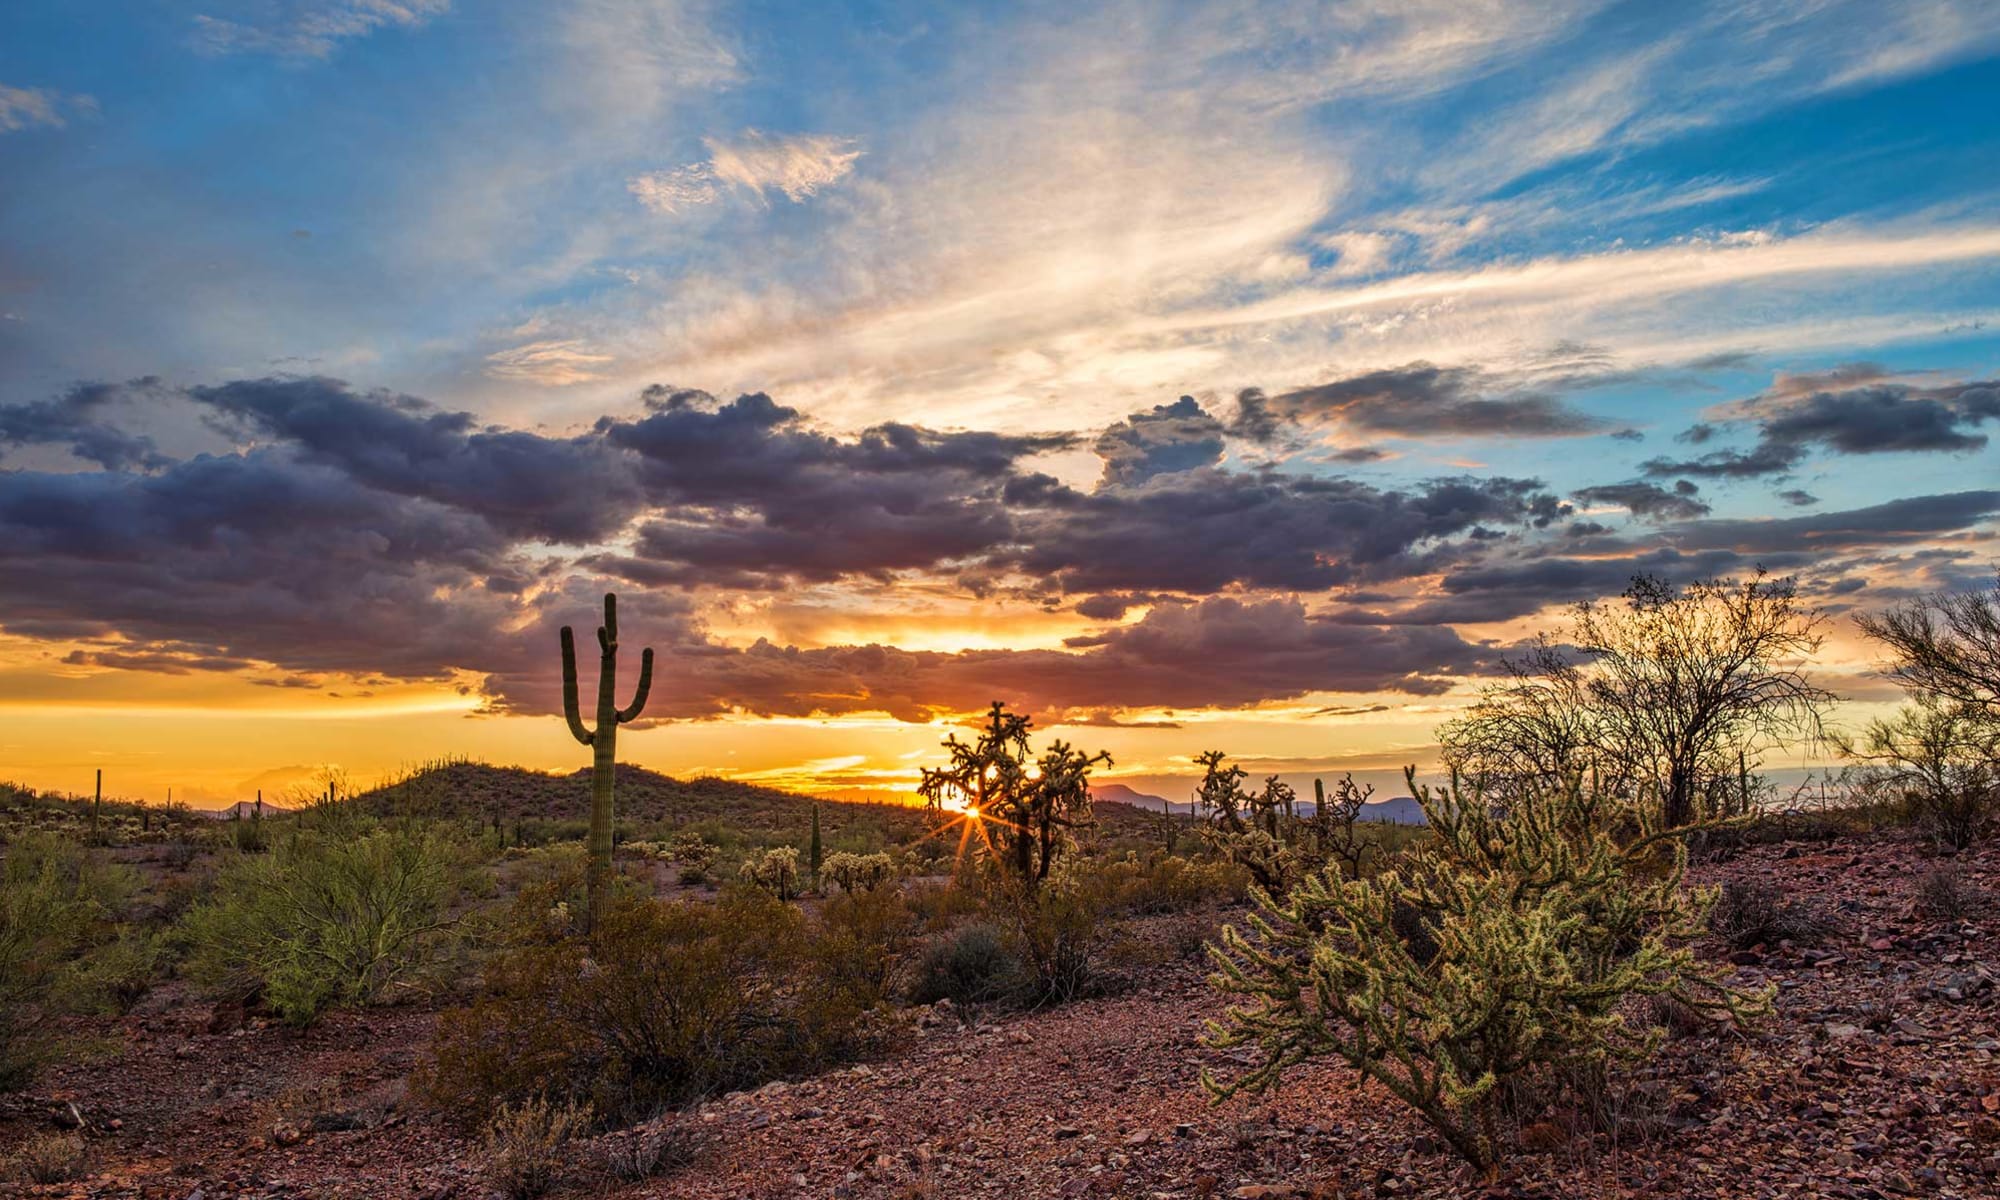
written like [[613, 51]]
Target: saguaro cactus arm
[[631, 711], [570, 709]]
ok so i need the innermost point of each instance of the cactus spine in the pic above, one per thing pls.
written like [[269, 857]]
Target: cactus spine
[[603, 741]]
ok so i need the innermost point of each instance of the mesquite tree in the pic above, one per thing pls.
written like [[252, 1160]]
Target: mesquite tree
[[603, 740]]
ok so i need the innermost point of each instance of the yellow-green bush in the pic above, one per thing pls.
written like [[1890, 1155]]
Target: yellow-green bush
[[333, 919], [60, 908]]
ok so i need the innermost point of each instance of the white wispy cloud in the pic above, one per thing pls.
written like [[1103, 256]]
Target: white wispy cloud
[[756, 163], [309, 28], [33, 107], [556, 362]]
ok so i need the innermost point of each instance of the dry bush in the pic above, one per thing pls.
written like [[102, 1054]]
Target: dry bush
[[1944, 895], [48, 1158], [1751, 913], [641, 1154], [526, 1146]]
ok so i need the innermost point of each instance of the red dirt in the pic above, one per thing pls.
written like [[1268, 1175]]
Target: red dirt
[[1876, 1077]]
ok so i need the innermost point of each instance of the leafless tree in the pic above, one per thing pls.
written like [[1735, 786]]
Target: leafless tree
[[1684, 682], [1946, 647], [1537, 725], [1944, 758]]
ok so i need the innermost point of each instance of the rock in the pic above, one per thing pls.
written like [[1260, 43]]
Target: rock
[[1841, 1032], [1138, 1137], [285, 1134], [1064, 1132], [1264, 1191]]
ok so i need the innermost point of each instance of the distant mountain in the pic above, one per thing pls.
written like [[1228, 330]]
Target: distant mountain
[[243, 809], [1118, 793], [1402, 810]]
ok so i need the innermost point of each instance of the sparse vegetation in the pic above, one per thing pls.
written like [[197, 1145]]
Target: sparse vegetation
[[1748, 914], [62, 943]]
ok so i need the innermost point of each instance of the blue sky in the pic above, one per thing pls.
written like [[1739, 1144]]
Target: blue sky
[[1548, 242]]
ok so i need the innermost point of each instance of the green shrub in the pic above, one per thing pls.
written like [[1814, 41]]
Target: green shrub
[[59, 911], [969, 966], [1543, 919], [322, 921], [662, 1003]]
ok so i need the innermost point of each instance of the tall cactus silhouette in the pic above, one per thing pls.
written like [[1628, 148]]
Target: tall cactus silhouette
[[603, 741]]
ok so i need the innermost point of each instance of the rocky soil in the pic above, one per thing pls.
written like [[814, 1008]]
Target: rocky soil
[[1876, 1077]]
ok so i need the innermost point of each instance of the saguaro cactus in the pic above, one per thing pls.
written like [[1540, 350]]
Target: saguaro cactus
[[603, 741]]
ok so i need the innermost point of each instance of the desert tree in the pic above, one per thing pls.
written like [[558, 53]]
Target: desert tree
[[1683, 683], [1537, 724], [1944, 759], [1946, 646]]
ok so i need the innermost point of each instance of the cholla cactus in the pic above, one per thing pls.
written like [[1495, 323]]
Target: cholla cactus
[[1029, 807], [694, 855], [603, 740], [1540, 921], [776, 871], [858, 872]]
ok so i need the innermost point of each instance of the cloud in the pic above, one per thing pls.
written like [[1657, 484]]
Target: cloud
[[559, 490], [1648, 500], [79, 420], [798, 167], [1172, 437], [1798, 498], [557, 362], [40, 108], [311, 29], [1423, 401], [1850, 410]]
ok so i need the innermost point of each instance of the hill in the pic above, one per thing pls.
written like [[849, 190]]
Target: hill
[[468, 790], [1119, 793]]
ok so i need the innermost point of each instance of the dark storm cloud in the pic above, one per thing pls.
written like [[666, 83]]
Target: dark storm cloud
[[1201, 532], [1798, 498], [1845, 411], [1172, 437], [1648, 500], [78, 421], [370, 533], [1421, 401], [560, 490]]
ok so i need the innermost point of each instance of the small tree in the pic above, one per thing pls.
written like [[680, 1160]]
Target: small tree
[[1946, 647], [1681, 682], [1502, 949], [1539, 723], [858, 872], [1945, 760], [1028, 807]]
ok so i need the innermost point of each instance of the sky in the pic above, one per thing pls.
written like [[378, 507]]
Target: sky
[[1234, 375]]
